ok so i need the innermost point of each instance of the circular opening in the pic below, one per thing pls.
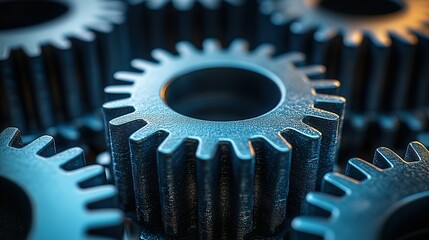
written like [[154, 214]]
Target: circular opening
[[17, 14], [222, 94], [363, 7], [409, 222], [15, 211]]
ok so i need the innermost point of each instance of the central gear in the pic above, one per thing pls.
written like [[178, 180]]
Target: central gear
[[379, 50], [44, 195], [384, 200], [221, 143]]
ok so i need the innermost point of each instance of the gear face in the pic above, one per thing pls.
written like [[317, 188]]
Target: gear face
[[378, 50], [54, 64], [52, 196], [362, 204], [221, 143]]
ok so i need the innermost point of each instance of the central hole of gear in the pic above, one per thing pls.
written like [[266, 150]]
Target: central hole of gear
[[222, 94], [15, 211], [362, 7], [408, 222], [17, 14]]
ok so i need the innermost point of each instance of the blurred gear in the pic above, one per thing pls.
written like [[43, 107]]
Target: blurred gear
[[55, 58], [163, 23], [379, 50], [387, 200], [44, 195], [220, 143]]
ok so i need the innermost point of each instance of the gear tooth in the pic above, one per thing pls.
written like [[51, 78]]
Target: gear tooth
[[311, 225], [9, 136], [143, 133], [326, 86], [83, 174], [300, 27], [361, 166], [325, 34], [185, 48], [62, 43], [102, 26], [416, 152], [86, 35], [308, 131], [277, 142], [211, 45], [380, 39], [142, 65], [239, 45], [344, 183], [386, 158], [206, 149], [313, 71], [44, 145], [353, 39], [323, 200], [32, 50], [331, 103], [73, 156], [99, 193], [121, 120], [128, 76], [170, 144], [242, 149], [118, 89], [291, 58], [323, 114], [162, 55], [117, 104], [405, 36], [104, 218], [264, 50]]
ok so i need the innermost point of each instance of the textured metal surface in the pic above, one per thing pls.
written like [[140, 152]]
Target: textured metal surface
[[45, 195], [384, 200], [220, 143], [55, 58], [379, 51]]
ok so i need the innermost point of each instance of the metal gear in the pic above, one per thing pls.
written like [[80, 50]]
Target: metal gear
[[44, 195], [54, 64], [363, 205], [215, 142], [163, 23], [379, 50]]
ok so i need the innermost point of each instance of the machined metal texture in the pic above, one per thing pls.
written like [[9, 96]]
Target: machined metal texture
[[49, 195], [163, 23], [55, 58], [379, 50], [384, 200], [220, 143]]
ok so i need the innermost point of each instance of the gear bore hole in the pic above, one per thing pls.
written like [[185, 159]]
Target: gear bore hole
[[15, 211], [363, 7], [222, 94], [409, 221], [18, 14]]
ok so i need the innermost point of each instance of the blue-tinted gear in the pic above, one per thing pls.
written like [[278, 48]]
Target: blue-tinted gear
[[45, 195], [384, 200], [220, 143], [55, 59]]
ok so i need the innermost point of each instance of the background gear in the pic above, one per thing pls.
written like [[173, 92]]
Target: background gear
[[55, 58], [50, 196], [211, 143], [163, 23], [387, 200]]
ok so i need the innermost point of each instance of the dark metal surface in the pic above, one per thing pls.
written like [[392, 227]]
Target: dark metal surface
[[44, 195], [220, 143], [381, 201]]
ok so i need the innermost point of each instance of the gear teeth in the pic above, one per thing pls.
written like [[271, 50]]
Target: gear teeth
[[381, 40], [99, 193], [242, 149], [416, 152], [340, 181], [32, 50], [405, 36], [277, 141], [84, 174], [185, 48], [206, 149], [211, 45], [118, 104], [325, 34], [129, 77], [362, 167], [238, 46], [291, 58], [73, 158], [104, 218], [323, 200], [264, 50], [170, 144], [312, 71], [311, 225], [118, 89], [301, 27], [44, 145], [386, 158], [326, 86], [9, 136], [353, 39], [142, 65], [162, 55], [323, 114]]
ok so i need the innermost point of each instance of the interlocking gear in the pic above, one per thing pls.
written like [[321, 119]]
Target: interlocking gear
[[379, 50], [44, 195], [54, 64], [387, 200], [221, 143]]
